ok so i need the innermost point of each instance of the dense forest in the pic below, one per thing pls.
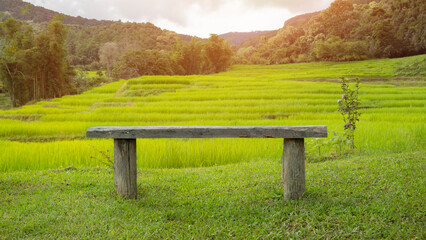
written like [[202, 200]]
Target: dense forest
[[347, 30]]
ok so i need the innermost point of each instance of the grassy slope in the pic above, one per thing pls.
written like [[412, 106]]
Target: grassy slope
[[371, 197]]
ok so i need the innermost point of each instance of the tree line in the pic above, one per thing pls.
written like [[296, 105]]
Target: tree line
[[347, 30], [184, 58]]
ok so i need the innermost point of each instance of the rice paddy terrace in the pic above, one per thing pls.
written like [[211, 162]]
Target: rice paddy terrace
[[51, 134]]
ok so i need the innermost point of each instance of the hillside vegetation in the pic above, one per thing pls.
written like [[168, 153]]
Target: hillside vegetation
[[347, 30], [295, 94]]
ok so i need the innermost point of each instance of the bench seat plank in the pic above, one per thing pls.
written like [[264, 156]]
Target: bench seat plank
[[317, 131]]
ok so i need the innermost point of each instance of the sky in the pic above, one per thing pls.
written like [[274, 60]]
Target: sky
[[193, 17]]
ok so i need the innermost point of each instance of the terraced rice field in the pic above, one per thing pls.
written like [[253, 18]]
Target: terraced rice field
[[51, 134]]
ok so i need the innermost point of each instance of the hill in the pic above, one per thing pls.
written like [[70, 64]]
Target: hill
[[348, 30], [87, 36], [297, 20], [239, 37], [256, 41], [28, 12]]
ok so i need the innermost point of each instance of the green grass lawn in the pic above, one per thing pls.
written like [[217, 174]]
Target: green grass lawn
[[372, 197]]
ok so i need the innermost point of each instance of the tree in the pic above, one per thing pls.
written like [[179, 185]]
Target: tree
[[56, 70], [190, 56], [218, 52], [17, 40], [108, 55], [340, 18], [384, 37]]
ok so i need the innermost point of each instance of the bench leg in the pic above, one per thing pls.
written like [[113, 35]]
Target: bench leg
[[293, 171], [125, 167]]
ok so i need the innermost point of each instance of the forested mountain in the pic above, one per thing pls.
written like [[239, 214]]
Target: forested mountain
[[347, 30], [239, 37], [21, 10]]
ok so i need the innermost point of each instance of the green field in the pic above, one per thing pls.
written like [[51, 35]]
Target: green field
[[54, 185], [52, 132]]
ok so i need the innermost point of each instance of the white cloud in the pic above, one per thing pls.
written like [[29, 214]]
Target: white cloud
[[195, 17], [218, 21]]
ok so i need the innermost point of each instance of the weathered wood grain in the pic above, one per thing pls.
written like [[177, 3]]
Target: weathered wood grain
[[293, 171], [316, 131], [125, 170]]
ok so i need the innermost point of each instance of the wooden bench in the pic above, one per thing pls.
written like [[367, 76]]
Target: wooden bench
[[293, 161]]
